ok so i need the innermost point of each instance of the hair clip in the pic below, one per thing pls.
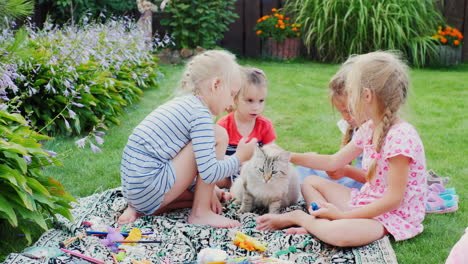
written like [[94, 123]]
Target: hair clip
[[257, 70], [376, 156]]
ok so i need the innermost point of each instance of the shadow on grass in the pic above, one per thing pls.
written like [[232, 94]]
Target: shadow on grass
[[13, 240]]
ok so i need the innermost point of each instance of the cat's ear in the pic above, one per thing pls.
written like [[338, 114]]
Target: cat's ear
[[285, 156]]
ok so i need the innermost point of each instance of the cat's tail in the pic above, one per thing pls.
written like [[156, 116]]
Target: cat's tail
[[294, 190]]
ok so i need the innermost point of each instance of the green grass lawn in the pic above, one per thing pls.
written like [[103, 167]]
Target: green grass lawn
[[304, 120]]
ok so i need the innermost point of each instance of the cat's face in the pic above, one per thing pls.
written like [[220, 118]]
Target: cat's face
[[271, 164]]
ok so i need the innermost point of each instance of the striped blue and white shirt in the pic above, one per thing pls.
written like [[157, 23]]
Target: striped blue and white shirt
[[146, 170]]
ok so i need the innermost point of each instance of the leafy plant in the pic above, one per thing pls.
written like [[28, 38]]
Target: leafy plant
[[76, 10], [277, 26], [193, 23], [14, 9], [448, 36], [70, 80], [337, 29], [27, 196]]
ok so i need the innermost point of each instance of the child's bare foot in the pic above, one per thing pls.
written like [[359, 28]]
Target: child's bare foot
[[271, 222], [212, 219], [128, 216], [296, 231]]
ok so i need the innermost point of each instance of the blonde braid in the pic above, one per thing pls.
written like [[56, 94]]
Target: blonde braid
[[386, 76], [187, 83], [388, 118]]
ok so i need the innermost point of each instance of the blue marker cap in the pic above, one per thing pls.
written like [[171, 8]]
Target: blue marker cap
[[314, 206]]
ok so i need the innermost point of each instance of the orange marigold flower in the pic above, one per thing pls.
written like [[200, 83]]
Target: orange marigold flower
[[282, 27], [274, 9], [443, 40], [456, 42], [294, 29], [259, 20], [276, 25], [287, 18], [259, 32]]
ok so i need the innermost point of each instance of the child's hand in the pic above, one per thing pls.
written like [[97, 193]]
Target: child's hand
[[337, 174], [216, 204], [327, 210], [245, 150]]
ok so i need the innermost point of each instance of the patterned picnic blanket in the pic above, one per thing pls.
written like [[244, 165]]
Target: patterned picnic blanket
[[181, 242]]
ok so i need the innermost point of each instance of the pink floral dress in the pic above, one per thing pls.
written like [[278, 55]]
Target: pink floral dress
[[402, 139]]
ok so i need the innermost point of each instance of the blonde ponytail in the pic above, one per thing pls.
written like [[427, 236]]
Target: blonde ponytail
[[387, 121]]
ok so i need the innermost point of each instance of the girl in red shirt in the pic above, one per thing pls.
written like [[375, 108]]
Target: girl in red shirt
[[246, 121]]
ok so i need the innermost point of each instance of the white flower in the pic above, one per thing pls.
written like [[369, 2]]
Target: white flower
[[81, 142]]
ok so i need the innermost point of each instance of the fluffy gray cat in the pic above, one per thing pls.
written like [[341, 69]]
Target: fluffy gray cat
[[267, 180]]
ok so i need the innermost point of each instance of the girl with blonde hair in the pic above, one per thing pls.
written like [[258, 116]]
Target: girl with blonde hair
[[393, 199], [351, 175], [178, 143]]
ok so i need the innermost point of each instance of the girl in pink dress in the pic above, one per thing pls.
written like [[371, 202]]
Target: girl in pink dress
[[393, 198]]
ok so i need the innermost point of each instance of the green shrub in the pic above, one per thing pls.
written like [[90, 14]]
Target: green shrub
[[27, 196], [63, 11], [14, 9], [193, 23], [70, 80], [340, 28]]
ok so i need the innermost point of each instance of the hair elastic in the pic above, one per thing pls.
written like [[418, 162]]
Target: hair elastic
[[257, 70]]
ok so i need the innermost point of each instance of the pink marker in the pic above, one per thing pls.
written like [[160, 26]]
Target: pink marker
[[76, 254]]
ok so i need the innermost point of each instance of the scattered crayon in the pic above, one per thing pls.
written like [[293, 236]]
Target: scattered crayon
[[314, 206], [79, 255]]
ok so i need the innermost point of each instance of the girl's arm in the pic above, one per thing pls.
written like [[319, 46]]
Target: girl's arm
[[397, 180], [350, 172], [327, 162]]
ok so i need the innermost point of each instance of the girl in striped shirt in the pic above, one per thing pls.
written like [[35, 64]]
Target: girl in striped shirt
[[178, 144]]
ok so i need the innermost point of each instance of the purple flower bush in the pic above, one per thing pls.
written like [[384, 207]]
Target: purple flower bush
[[69, 80]]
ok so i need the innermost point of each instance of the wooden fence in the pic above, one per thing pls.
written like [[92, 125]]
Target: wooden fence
[[242, 40], [456, 15]]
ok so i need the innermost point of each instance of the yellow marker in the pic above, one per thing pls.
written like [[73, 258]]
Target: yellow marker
[[134, 235], [247, 242]]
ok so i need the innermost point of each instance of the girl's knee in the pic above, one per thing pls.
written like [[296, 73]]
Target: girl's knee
[[344, 235], [339, 240], [311, 181]]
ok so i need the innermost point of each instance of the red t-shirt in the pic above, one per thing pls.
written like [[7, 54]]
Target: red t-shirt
[[263, 130]]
